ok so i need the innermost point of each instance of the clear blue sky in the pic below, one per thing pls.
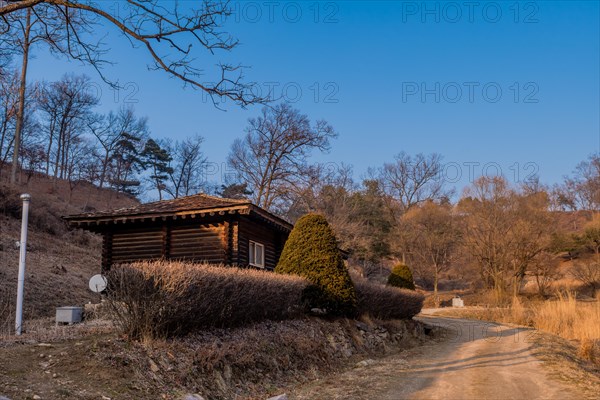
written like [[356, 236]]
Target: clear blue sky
[[371, 62]]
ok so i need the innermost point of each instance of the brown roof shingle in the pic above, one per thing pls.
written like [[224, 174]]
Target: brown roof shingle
[[181, 204]]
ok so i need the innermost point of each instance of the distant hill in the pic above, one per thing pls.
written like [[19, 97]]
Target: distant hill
[[59, 262]]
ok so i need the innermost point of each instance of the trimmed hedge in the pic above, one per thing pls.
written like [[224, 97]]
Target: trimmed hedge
[[386, 302], [311, 252], [163, 299], [401, 277]]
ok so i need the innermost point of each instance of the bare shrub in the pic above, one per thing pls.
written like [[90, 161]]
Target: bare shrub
[[386, 302], [162, 299], [588, 272], [590, 350], [7, 318]]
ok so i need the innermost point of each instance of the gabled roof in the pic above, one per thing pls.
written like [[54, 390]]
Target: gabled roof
[[201, 204]]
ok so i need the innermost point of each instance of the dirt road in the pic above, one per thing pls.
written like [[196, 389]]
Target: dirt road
[[476, 360]]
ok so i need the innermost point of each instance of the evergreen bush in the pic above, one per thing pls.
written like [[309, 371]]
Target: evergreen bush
[[401, 277], [311, 252]]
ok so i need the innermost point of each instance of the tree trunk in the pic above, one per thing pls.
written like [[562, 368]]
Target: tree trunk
[[435, 289], [21, 110]]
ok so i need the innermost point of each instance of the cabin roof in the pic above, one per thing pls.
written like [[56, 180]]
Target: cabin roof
[[181, 207]]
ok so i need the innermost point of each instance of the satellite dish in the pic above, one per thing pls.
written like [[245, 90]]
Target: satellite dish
[[97, 283]]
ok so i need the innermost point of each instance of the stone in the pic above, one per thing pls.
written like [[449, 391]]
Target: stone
[[227, 373], [362, 326], [318, 311], [153, 366], [36, 397], [279, 397], [365, 363], [193, 397]]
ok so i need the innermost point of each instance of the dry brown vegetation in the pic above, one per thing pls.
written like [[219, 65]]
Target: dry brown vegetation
[[163, 299], [565, 317], [251, 362], [386, 302], [59, 262], [151, 300]]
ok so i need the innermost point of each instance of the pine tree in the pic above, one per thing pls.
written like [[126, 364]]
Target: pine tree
[[157, 160]]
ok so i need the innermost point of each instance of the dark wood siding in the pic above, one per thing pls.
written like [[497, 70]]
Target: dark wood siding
[[261, 233], [200, 243], [215, 240], [137, 244]]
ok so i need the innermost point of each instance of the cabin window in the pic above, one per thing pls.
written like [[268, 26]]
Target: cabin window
[[257, 254]]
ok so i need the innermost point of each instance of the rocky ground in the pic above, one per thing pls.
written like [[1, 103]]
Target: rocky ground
[[92, 361]]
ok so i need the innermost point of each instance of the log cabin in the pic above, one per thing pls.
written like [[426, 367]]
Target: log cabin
[[198, 228]]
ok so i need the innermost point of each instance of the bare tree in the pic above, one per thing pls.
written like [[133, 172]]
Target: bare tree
[[488, 208], [9, 95], [410, 181], [506, 231], [174, 37], [433, 235], [109, 131], [25, 45], [544, 270], [531, 233], [588, 270], [21, 31], [582, 190], [9, 112], [187, 167], [274, 152], [78, 166], [66, 106]]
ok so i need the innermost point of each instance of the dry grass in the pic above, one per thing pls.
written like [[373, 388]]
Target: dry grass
[[161, 299], [386, 302], [569, 318], [44, 330], [252, 362], [59, 262], [565, 317]]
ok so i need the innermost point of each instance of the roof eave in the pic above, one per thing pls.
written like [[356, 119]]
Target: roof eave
[[82, 220]]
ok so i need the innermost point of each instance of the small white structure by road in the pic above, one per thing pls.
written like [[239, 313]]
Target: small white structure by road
[[457, 302]]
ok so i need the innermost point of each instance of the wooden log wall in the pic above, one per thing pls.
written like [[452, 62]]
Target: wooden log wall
[[271, 239], [199, 243], [217, 240], [137, 244]]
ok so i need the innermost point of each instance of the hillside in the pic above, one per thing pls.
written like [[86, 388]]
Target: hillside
[[59, 262]]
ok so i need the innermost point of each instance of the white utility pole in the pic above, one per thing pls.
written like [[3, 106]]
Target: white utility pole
[[22, 254]]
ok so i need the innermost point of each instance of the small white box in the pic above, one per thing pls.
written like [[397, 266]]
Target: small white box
[[458, 302], [69, 315]]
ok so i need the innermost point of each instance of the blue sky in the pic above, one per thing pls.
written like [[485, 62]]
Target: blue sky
[[505, 84]]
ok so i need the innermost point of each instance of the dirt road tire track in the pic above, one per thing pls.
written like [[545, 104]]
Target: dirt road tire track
[[476, 360]]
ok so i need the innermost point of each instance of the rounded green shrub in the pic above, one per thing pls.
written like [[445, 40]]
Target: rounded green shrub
[[401, 277], [311, 252]]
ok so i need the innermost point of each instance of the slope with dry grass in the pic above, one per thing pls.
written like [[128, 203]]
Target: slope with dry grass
[[251, 362], [59, 262]]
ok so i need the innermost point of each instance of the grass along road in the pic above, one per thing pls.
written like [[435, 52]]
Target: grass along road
[[475, 360]]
